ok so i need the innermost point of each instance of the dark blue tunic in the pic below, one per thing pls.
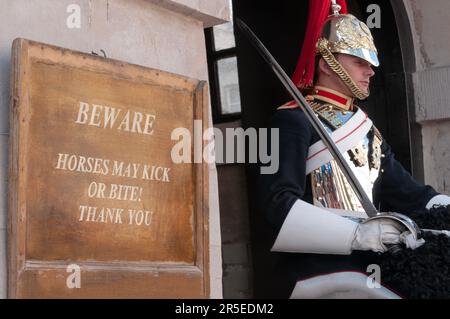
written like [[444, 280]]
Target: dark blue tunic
[[394, 191]]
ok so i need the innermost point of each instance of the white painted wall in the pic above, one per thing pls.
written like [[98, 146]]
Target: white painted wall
[[162, 34]]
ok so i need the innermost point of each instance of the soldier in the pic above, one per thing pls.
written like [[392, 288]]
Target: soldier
[[322, 248]]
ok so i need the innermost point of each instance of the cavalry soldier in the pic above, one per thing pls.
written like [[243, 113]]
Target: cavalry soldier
[[323, 249]]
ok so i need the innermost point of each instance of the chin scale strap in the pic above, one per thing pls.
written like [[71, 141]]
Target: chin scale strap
[[339, 70]]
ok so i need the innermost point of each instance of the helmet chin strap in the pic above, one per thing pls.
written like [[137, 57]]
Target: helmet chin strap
[[340, 71]]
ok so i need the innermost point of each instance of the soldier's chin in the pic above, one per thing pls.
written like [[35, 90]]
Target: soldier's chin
[[364, 88]]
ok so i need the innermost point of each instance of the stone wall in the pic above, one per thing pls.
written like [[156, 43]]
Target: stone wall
[[235, 225], [427, 64]]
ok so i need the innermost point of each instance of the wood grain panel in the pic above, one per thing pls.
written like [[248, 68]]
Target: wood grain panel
[[93, 183]]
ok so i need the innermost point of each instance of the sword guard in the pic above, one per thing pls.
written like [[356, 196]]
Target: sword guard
[[404, 220]]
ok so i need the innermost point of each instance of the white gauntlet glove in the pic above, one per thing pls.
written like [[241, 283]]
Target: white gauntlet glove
[[441, 200], [377, 235], [311, 229]]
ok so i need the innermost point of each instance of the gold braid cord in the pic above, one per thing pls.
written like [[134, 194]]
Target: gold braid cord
[[339, 70]]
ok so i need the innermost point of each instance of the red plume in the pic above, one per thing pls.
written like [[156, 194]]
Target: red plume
[[318, 12], [343, 5]]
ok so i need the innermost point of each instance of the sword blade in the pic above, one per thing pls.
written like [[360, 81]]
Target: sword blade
[[317, 125]]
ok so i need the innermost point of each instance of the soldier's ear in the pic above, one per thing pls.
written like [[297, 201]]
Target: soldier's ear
[[324, 68]]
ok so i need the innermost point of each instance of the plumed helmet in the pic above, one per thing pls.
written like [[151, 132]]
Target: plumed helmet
[[329, 33]]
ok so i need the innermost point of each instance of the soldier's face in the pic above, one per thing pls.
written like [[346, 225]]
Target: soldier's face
[[360, 70]]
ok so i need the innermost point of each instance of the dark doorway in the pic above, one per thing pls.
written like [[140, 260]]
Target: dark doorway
[[281, 25]]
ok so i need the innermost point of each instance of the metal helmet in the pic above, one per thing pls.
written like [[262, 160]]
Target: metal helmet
[[328, 34], [344, 33]]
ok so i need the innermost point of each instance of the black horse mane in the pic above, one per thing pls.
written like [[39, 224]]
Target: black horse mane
[[422, 273]]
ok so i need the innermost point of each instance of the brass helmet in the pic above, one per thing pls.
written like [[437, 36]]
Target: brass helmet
[[344, 33], [331, 30]]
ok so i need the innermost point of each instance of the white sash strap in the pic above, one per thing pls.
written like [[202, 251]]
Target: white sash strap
[[345, 138]]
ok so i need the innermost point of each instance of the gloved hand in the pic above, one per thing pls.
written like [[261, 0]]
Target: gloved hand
[[379, 234]]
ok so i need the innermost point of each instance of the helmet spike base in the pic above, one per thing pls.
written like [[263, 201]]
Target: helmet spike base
[[335, 8]]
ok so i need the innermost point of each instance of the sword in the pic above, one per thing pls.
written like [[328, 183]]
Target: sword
[[366, 203]]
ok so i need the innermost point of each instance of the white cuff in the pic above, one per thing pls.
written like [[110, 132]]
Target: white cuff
[[438, 200], [310, 229]]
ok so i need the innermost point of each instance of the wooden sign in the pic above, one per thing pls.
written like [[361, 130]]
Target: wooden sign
[[97, 206]]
